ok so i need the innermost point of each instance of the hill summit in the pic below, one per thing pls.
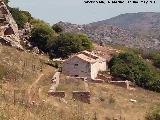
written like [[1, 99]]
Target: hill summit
[[135, 30]]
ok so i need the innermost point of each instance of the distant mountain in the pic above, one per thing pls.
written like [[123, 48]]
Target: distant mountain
[[105, 34], [134, 21], [140, 30]]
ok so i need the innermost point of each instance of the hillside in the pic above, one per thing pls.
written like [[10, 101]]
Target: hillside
[[105, 34], [136, 30], [27, 78], [145, 26], [134, 21]]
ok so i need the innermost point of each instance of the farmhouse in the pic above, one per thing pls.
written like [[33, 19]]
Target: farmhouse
[[84, 64]]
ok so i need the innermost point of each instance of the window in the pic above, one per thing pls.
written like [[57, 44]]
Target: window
[[75, 64]]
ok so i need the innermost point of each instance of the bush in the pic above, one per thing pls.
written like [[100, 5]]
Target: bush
[[57, 28], [5, 1], [27, 15], [68, 43], [154, 115], [40, 23], [41, 36], [21, 17], [154, 56], [132, 67]]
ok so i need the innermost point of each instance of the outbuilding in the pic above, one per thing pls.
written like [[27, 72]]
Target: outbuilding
[[84, 64]]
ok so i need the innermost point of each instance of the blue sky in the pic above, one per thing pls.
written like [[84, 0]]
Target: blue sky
[[76, 11]]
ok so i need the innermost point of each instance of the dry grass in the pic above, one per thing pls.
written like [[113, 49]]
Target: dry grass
[[69, 84], [121, 104], [107, 101]]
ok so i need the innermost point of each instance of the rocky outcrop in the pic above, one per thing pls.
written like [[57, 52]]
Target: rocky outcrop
[[10, 26], [9, 34], [10, 41]]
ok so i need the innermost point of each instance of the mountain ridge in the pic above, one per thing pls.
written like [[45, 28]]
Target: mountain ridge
[[135, 30], [127, 19]]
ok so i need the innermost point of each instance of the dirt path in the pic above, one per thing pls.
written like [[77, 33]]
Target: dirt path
[[33, 85]]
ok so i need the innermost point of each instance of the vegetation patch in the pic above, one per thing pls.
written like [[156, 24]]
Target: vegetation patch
[[153, 115], [129, 66]]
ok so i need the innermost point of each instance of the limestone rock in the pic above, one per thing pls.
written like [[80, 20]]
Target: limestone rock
[[9, 34], [10, 41], [7, 19]]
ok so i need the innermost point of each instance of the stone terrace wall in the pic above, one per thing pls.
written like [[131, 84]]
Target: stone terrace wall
[[81, 96], [58, 94], [105, 78], [125, 84], [55, 83]]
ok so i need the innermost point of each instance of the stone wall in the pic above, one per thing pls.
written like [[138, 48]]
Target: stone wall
[[105, 78], [125, 84], [58, 94], [81, 96], [55, 83], [97, 81]]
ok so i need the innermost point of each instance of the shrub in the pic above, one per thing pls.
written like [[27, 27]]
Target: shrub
[[57, 28], [41, 36], [153, 115], [154, 56], [21, 17], [68, 43], [132, 67], [5, 1]]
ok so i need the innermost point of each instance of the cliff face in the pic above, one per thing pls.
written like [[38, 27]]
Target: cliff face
[[9, 34]]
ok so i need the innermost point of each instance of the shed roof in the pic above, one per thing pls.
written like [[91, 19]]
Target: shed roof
[[88, 57]]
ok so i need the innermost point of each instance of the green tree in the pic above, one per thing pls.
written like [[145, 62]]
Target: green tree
[[19, 17], [132, 67], [6, 2], [40, 23], [57, 28], [86, 42], [27, 15], [68, 43], [157, 63], [41, 36]]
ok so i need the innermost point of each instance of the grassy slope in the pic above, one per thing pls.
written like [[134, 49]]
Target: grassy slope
[[106, 100]]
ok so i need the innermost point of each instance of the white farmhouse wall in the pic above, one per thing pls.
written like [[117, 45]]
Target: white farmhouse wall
[[102, 66], [96, 67], [94, 70], [77, 67]]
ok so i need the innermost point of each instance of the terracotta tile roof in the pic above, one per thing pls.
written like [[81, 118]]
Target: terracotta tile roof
[[89, 57], [86, 58]]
